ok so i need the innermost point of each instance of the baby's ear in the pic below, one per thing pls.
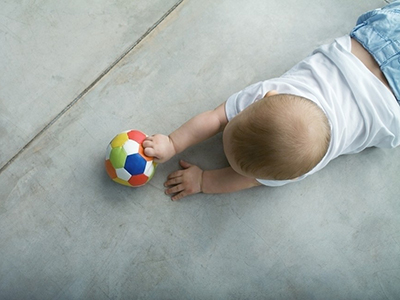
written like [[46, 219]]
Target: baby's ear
[[271, 93]]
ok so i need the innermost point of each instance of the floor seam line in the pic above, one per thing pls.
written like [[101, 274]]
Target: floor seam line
[[92, 85]]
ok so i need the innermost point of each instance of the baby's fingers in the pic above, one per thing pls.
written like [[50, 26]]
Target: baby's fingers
[[179, 196], [173, 181], [147, 143], [148, 147], [175, 174], [177, 191], [149, 151], [174, 190]]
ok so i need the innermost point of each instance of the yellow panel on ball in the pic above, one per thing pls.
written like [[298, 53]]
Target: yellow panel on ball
[[119, 140], [123, 182]]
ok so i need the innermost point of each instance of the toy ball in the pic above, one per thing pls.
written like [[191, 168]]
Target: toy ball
[[126, 162]]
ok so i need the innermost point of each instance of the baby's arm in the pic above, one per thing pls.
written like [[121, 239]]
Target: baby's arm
[[192, 180], [197, 129], [226, 181]]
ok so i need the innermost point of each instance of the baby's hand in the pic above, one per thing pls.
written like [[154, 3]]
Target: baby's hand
[[184, 182], [159, 146]]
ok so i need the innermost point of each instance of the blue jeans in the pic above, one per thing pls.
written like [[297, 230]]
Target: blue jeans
[[379, 32]]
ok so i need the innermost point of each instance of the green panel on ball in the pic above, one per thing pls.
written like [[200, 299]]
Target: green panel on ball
[[118, 157]]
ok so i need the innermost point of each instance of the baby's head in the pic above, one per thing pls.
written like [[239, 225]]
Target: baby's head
[[279, 137]]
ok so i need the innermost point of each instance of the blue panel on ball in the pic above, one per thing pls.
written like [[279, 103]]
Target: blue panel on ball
[[135, 164]]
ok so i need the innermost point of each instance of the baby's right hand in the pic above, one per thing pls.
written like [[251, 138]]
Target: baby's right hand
[[159, 146]]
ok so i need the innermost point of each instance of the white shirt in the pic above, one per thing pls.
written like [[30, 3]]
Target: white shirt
[[361, 110]]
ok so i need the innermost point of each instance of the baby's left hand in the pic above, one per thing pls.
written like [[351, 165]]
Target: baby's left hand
[[184, 182]]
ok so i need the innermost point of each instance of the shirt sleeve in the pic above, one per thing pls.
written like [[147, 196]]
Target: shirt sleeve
[[276, 183], [240, 100]]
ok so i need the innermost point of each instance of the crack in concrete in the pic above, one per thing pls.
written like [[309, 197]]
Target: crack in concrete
[[90, 86]]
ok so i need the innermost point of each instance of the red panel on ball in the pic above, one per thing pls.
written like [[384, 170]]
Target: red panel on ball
[[138, 180], [137, 136]]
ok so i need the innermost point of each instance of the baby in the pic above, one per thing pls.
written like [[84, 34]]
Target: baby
[[340, 100]]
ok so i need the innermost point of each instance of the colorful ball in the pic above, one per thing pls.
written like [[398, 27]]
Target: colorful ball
[[126, 162]]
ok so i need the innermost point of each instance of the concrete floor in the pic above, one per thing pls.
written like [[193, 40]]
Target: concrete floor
[[75, 73]]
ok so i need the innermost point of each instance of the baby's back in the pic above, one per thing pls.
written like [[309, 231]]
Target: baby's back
[[362, 110]]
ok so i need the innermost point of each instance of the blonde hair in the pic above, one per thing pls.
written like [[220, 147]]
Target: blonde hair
[[280, 137]]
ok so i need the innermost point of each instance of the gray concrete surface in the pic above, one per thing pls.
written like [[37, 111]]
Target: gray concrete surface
[[52, 51], [68, 232]]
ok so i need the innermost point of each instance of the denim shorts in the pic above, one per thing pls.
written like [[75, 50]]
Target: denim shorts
[[379, 32]]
